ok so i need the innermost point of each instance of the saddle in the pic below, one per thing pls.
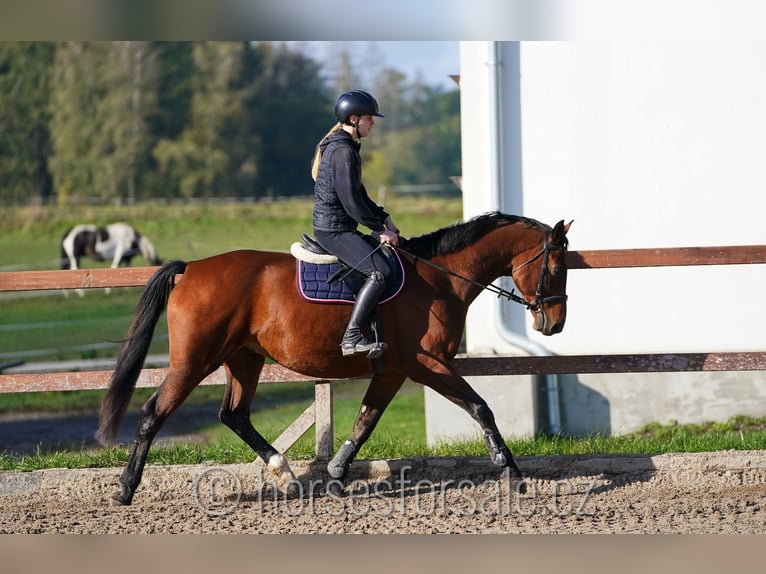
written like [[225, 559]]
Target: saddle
[[322, 278]]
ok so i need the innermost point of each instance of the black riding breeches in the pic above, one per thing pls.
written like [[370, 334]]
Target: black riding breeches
[[354, 250]]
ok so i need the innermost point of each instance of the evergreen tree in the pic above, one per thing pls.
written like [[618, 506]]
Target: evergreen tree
[[428, 151], [25, 68], [130, 95], [171, 114], [343, 74], [290, 110], [175, 63], [103, 93], [76, 90], [199, 158]]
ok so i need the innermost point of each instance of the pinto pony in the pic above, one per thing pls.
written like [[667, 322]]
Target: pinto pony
[[238, 308], [118, 242]]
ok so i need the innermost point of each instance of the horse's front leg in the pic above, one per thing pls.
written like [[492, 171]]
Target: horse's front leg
[[115, 264], [439, 376], [382, 389]]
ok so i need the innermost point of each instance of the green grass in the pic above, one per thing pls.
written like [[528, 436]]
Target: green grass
[[275, 407], [402, 424], [60, 402], [56, 328], [31, 235], [400, 434]]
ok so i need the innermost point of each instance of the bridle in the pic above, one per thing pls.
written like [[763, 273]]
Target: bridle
[[540, 299]]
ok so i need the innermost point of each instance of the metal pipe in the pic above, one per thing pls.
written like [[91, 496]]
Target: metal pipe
[[496, 101]]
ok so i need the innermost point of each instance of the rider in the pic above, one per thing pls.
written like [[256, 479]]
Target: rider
[[341, 204]]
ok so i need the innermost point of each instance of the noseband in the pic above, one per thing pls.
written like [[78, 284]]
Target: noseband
[[535, 306]]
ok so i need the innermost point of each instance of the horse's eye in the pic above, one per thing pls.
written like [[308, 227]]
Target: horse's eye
[[557, 270]]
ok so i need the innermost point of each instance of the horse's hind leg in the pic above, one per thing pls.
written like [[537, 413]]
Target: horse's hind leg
[[382, 389], [243, 370], [166, 399]]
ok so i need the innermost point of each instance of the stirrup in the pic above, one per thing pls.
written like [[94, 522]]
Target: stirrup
[[374, 349]]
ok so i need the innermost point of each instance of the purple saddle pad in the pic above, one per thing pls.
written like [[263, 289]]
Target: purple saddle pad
[[313, 286]]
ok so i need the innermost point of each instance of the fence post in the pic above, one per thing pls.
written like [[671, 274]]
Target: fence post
[[323, 424]]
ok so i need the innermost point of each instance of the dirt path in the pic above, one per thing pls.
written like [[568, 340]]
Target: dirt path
[[24, 433], [684, 493]]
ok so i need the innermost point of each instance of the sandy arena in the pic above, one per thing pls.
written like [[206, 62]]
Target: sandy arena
[[680, 493]]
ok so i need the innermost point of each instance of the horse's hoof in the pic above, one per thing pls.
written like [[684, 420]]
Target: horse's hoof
[[338, 466], [335, 471], [286, 480], [119, 500], [292, 489]]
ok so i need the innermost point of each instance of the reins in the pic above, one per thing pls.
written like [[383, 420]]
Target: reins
[[535, 306], [499, 291], [511, 295], [356, 267]]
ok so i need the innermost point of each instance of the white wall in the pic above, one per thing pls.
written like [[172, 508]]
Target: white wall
[[651, 145], [643, 144]]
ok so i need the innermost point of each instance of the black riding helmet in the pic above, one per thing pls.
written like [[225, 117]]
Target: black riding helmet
[[356, 102]]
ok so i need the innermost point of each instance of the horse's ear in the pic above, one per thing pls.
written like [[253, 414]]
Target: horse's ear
[[560, 230]]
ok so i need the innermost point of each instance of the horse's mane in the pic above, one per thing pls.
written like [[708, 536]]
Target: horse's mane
[[463, 234]]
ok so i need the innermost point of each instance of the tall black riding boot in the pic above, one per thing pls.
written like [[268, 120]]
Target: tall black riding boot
[[354, 340]]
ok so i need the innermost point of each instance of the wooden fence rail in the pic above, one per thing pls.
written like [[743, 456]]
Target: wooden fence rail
[[595, 259], [319, 413], [466, 366]]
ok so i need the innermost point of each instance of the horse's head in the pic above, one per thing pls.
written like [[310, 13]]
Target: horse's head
[[542, 281]]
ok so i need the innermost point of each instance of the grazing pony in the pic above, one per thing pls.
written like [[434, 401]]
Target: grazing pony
[[239, 308], [118, 242]]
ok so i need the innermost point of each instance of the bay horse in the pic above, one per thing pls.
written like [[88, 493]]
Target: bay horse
[[238, 308]]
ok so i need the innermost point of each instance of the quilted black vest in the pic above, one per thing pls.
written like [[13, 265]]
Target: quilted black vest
[[329, 214]]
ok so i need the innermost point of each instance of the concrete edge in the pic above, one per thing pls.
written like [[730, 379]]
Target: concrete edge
[[14, 483]]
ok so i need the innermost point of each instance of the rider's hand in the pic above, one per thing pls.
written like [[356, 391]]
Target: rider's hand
[[388, 237]]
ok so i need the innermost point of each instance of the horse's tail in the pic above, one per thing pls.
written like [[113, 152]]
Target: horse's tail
[[148, 252], [132, 355]]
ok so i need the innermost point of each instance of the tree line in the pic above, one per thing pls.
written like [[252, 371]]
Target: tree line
[[131, 121]]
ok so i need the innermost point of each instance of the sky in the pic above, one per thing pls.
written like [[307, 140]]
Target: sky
[[435, 61]]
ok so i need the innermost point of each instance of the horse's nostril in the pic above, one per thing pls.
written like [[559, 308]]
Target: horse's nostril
[[556, 328]]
